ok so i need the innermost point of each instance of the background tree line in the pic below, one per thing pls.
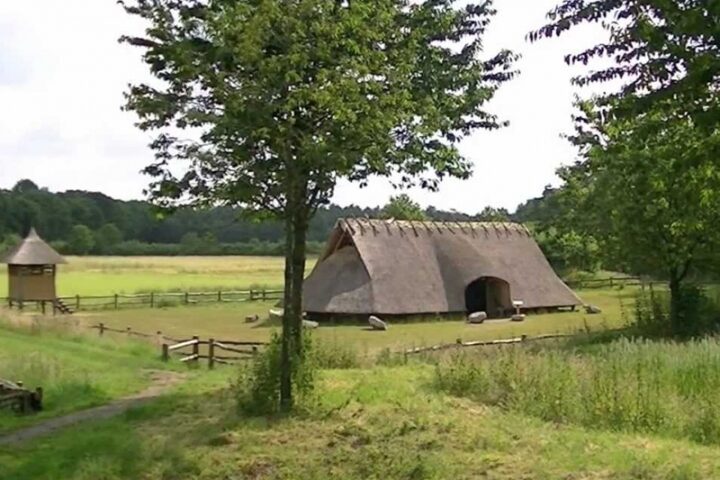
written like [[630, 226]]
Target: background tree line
[[81, 222]]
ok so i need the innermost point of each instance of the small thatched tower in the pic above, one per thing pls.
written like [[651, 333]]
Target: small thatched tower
[[31, 270]]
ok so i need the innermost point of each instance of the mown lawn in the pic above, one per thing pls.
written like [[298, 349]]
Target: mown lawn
[[75, 370], [228, 322], [109, 275], [380, 423]]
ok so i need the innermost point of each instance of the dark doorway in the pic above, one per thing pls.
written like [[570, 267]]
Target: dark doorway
[[490, 295], [476, 296]]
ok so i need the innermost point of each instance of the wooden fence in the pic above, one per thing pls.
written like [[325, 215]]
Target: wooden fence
[[609, 282], [159, 299], [214, 351]]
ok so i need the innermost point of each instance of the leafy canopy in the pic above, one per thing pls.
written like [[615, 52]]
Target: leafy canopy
[[649, 189], [281, 98], [660, 49], [402, 207]]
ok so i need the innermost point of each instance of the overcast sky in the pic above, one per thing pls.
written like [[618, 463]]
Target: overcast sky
[[62, 75]]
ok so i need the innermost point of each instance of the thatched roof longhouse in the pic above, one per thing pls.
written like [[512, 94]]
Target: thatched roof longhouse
[[408, 267]]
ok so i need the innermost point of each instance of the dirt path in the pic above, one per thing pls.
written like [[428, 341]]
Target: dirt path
[[161, 382]]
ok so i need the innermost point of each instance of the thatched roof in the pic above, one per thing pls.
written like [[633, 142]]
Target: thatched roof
[[404, 267], [33, 251]]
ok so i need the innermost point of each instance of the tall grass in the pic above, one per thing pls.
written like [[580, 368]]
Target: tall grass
[[628, 385], [75, 370]]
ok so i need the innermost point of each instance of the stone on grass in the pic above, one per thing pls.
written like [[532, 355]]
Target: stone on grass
[[592, 309], [252, 318], [518, 317], [376, 323], [477, 317], [310, 324]]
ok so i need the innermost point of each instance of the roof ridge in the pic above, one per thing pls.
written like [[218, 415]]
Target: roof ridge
[[359, 225]]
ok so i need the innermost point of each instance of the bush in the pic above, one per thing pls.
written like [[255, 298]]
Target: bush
[[629, 385], [258, 385], [335, 355], [699, 313]]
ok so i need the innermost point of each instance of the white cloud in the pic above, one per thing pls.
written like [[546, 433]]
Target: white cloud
[[63, 73]]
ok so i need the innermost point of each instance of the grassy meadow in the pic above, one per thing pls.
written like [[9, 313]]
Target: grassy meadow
[[378, 423], [76, 369], [596, 407], [228, 322], [127, 275]]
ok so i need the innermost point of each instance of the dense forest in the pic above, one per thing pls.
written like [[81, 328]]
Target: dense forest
[[80, 222]]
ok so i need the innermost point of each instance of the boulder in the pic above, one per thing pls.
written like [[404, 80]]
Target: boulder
[[518, 317], [310, 324], [276, 314], [592, 309], [252, 318], [376, 323], [477, 317]]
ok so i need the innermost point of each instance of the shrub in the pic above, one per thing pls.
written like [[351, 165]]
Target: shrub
[[258, 384], [699, 313], [334, 355]]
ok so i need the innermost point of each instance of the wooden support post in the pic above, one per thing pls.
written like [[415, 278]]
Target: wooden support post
[[264, 294], [77, 302], [42, 306], [152, 299], [211, 353], [187, 298], [101, 329], [252, 294], [165, 352], [116, 301], [219, 295], [196, 346]]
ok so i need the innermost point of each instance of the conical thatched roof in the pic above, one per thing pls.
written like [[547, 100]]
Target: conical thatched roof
[[33, 251], [402, 267]]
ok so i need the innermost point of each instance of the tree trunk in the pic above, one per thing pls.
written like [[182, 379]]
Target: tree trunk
[[296, 225], [675, 284]]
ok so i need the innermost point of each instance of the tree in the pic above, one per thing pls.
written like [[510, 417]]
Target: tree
[[81, 240], [649, 187], [660, 49], [402, 207], [107, 237], [492, 214], [281, 99]]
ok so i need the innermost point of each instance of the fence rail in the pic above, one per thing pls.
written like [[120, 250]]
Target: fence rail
[[199, 349], [158, 299], [609, 282]]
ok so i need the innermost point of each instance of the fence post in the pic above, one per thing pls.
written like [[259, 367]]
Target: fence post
[[611, 282], [196, 347], [77, 302], [264, 294], [211, 353], [187, 298], [101, 329], [127, 331], [165, 352], [116, 301], [152, 299], [252, 294], [219, 295], [158, 337], [42, 306]]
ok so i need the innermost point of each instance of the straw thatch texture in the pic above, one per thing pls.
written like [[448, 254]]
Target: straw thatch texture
[[33, 251], [400, 267]]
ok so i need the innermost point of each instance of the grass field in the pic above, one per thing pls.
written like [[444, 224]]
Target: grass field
[[228, 322], [496, 414], [75, 370], [380, 423], [109, 275]]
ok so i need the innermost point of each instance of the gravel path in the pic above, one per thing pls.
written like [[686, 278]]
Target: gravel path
[[161, 382]]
